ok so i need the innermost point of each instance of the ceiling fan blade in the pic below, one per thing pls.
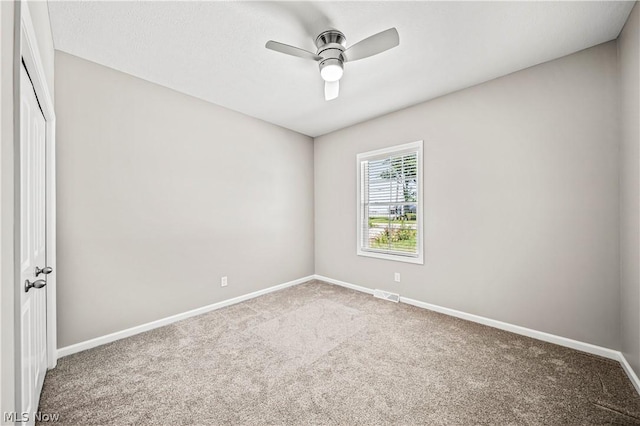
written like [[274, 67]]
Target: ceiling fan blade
[[291, 50], [373, 45], [331, 90]]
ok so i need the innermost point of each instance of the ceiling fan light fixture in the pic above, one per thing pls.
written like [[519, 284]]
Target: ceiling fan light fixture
[[331, 70], [332, 53]]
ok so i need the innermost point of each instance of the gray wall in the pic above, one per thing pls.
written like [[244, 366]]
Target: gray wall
[[628, 58], [160, 194], [521, 199]]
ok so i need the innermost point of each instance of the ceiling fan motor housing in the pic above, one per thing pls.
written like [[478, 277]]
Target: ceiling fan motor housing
[[331, 44]]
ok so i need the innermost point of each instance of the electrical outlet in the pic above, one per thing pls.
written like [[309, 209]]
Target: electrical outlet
[[396, 277], [223, 282]]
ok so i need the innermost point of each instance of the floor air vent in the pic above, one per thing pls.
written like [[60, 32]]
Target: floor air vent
[[381, 294]]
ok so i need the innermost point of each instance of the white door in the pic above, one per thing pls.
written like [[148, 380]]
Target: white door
[[32, 248]]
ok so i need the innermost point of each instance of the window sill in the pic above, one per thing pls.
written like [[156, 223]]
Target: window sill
[[397, 258]]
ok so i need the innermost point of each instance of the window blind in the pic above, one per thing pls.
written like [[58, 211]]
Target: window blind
[[389, 204]]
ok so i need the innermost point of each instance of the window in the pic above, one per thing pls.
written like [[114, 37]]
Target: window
[[390, 203]]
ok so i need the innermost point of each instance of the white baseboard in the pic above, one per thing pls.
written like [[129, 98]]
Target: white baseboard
[[630, 373], [540, 335], [343, 284], [88, 344]]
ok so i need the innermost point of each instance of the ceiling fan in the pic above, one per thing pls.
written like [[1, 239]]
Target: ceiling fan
[[332, 54]]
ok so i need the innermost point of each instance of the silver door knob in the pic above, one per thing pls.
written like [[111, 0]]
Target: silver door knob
[[46, 270], [28, 285]]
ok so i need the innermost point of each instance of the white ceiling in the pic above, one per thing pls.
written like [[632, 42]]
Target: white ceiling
[[215, 50]]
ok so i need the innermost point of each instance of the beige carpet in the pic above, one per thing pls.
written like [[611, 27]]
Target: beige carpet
[[321, 354]]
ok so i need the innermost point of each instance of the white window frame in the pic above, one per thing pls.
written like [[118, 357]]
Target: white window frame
[[381, 153]]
